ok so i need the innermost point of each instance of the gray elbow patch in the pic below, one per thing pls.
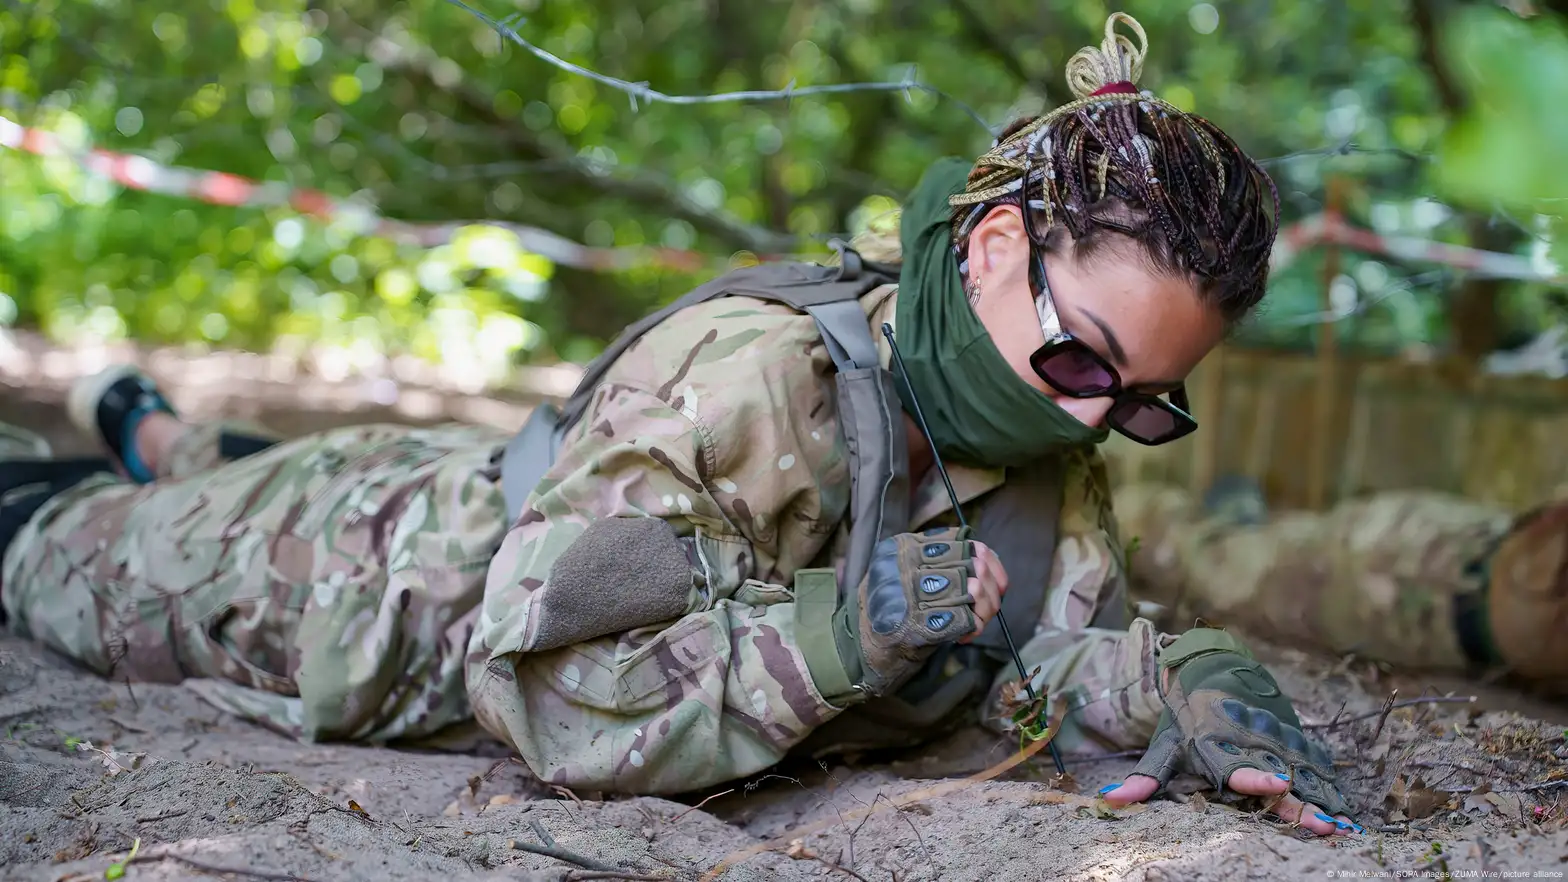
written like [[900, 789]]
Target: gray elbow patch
[[620, 574]]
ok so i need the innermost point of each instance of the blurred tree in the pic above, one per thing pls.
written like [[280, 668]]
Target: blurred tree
[[433, 116]]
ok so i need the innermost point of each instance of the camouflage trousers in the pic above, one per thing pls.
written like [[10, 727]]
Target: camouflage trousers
[[1377, 577], [318, 587]]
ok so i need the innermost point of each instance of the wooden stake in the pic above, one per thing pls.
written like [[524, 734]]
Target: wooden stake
[[1323, 424]]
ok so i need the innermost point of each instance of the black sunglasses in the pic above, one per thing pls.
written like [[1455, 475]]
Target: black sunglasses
[[1072, 368]]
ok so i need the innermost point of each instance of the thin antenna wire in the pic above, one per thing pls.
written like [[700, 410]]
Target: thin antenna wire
[[936, 458]]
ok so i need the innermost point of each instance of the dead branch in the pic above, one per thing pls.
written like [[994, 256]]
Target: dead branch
[[549, 849], [215, 869], [1106, 757], [542, 833], [575, 875], [1382, 720], [905, 815], [1409, 702], [832, 866], [1528, 788], [699, 805]]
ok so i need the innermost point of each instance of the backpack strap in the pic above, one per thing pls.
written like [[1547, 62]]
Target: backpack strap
[[873, 433]]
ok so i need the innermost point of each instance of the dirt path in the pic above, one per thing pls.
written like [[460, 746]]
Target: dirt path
[[88, 767]]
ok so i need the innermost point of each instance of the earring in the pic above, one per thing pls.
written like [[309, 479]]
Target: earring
[[972, 291]]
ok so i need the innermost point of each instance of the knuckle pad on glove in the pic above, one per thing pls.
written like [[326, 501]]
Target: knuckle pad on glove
[[886, 605], [942, 586], [1252, 737], [939, 550], [948, 623]]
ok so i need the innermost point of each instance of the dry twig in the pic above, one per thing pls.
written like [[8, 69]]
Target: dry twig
[[832, 866], [562, 854], [215, 869], [542, 833], [592, 869], [699, 805], [1410, 702]]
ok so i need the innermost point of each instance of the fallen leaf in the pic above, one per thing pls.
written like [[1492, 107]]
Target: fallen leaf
[[1396, 793], [1422, 801], [1477, 805], [1101, 811], [1508, 804], [798, 850], [1065, 782]]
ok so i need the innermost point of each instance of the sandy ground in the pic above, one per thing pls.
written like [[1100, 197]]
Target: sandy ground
[[90, 767]]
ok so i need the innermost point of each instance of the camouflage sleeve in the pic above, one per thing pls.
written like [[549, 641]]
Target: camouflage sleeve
[[1095, 667], [719, 694]]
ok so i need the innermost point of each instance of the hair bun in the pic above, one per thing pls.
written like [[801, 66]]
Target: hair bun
[[1116, 60]]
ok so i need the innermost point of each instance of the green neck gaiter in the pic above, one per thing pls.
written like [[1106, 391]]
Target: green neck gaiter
[[979, 411]]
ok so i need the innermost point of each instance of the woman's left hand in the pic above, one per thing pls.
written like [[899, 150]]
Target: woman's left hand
[[1227, 721]]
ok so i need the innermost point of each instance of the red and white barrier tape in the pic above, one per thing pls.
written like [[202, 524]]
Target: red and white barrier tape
[[221, 188], [1331, 229]]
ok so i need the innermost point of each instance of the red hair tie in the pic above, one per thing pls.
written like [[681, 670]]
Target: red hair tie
[[1121, 88]]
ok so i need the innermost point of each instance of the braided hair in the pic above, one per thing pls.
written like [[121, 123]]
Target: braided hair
[[1120, 162]]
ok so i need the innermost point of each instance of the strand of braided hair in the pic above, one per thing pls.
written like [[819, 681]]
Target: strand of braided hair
[[1121, 160]]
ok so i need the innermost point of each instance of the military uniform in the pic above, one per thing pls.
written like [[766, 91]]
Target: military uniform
[[1417, 579], [330, 586], [722, 422]]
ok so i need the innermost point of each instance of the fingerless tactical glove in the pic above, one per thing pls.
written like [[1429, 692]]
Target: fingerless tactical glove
[[914, 598], [1223, 712]]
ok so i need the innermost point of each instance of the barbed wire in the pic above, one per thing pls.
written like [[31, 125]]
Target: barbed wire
[[1431, 278], [644, 92], [1347, 147]]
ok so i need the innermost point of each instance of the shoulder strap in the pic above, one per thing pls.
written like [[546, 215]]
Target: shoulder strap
[[1020, 521], [800, 286], [873, 434]]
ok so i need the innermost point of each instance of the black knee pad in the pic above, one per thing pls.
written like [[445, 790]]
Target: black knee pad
[[25, 485]]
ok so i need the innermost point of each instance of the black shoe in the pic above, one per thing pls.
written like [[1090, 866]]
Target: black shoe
[[109, 405]]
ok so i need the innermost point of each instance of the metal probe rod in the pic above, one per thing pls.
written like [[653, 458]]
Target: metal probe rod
[[936, 457]]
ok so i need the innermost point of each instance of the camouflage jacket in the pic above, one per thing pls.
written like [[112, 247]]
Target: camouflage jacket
[[721, 421]]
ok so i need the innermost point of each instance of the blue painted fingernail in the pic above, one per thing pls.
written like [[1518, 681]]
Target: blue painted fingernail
[[1326, 819], [1283, 777], [1108, 788]]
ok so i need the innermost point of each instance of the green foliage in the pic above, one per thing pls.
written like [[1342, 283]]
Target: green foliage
[[1507, 149], [423, 110]]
